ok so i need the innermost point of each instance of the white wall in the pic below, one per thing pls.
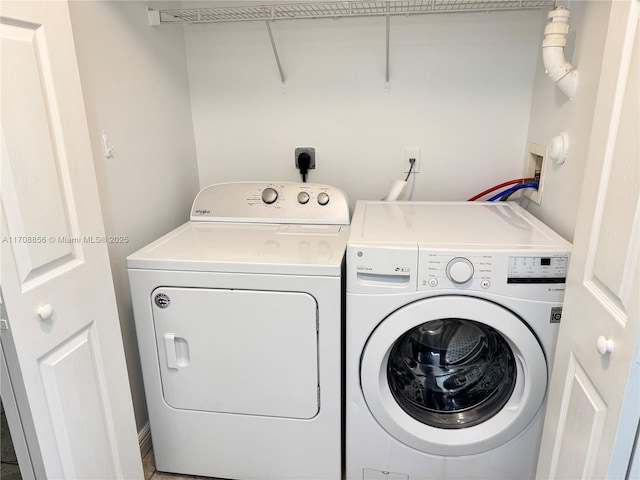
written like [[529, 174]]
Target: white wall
[[134, 81], [461, 88], [552, 113]]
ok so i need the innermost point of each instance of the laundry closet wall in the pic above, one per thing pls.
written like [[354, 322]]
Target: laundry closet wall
[[460, 88], [134, 82], [552, 113]]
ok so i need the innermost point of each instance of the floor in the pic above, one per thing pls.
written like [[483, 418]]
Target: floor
[[150, 473], [8, 462], [9, 469]]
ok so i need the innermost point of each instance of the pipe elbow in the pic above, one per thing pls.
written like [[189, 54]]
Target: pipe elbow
[[569, 84], [556, 65]]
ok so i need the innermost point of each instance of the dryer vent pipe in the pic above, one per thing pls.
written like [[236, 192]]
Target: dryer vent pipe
[[555, 39]]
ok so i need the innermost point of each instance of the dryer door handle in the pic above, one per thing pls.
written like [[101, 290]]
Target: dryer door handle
[[170, 348]]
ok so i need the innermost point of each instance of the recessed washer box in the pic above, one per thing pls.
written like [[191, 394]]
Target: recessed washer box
[[535, 165]]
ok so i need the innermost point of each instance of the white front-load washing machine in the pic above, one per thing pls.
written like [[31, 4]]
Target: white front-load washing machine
[[239, 318], [452, 318]]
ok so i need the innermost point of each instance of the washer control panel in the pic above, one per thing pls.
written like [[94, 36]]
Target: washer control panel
[[444, 269], [260, 202], [498, 272]]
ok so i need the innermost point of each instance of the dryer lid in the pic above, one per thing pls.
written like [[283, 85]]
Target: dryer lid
[[247, 248]]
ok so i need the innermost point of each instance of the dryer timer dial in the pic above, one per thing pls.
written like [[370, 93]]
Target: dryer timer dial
[[269, 195], [459, 270]]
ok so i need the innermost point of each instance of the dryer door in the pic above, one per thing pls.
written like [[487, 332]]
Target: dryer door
[[453, 375], [237, 351]]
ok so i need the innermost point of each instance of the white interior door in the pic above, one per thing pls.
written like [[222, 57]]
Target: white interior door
[[63, 345], [594, 407]]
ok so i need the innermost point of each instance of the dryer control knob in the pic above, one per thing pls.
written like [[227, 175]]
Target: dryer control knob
[[323, 198], [459, 270], [303, 198], [269, 195]]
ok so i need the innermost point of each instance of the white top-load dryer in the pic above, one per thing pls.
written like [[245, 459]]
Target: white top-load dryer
[[238, 316], [452, 316]]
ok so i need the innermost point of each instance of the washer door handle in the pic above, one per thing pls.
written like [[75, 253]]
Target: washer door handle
[[170, 347], [515, 401]]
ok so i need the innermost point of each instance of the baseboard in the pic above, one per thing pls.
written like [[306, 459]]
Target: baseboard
[[144, 439]]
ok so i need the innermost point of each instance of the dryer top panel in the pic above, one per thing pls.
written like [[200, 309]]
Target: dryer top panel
[[287, 249], [468, 225], [271, 202]]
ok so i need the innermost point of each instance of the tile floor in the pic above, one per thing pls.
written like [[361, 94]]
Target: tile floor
[[150, 473], [9, 469]]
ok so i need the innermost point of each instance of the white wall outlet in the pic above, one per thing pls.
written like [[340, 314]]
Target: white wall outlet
[[535, 164], [409, 153], [311, 151]]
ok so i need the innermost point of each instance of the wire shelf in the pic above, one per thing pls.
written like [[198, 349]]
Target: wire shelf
[[310, 10], [323, 9]]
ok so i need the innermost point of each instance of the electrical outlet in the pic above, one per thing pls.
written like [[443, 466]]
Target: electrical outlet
[[535, 165], [409, 153], [312, 156]]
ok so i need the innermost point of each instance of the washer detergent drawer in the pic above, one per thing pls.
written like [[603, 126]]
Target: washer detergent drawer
[[237, 351]]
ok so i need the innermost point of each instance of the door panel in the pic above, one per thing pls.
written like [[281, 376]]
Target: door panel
[[584, 415], [73, 382], [35, 158], [617, 231], [238, 351]]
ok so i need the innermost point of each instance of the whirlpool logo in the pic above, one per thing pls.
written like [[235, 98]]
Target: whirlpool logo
[[162, 300], [201, 211]]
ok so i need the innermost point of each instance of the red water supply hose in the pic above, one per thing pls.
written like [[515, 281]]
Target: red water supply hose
[[496, 187]]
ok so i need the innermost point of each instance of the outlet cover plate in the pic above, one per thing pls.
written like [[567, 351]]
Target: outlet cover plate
[[411, 152], [312, 154]]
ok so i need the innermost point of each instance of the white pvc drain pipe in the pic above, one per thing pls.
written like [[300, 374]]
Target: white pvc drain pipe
[[555, 64]]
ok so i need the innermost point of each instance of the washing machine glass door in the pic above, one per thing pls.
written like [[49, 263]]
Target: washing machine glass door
[[237, 351], [453, 375]]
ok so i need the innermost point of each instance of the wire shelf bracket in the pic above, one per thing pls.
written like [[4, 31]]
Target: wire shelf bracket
[[337, 9]]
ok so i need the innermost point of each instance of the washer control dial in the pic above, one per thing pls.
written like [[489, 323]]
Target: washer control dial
[[459, 270], [269, 195], [323, 198], [303, 198]]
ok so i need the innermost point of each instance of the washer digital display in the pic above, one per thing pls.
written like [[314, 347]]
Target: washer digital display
[[538, 269]]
